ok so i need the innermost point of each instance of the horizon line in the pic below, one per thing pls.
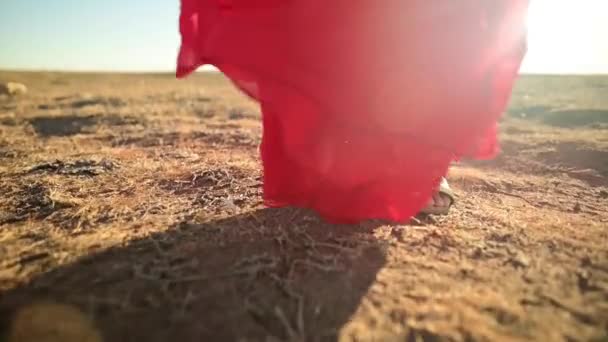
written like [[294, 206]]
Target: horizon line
[[201, 70]]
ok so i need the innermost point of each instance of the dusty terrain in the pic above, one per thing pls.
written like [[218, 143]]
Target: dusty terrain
[[130, 211]]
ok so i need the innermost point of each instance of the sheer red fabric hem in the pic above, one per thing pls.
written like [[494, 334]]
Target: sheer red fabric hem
[[365, 104]]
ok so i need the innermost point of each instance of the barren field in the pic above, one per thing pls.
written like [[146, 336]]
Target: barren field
[[130, 210]]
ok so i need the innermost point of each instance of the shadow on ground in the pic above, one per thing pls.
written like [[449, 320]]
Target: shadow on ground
[[62, 126], [69, 125], [585, 164], [577, 160], [577, 118], [565, 118], [272, 274]]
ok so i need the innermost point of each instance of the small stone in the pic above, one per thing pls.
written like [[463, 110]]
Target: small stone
[[586, 261], [13, 89], [519, 261]]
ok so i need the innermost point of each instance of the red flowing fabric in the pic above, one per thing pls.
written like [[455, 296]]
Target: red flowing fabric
[[365, 103]]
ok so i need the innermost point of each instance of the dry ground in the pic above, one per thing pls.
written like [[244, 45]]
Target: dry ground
[[130, 211]]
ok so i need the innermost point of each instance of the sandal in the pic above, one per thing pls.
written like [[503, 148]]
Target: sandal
[[442, 200]]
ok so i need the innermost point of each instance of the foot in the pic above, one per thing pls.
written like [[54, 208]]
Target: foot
[[442, 200]]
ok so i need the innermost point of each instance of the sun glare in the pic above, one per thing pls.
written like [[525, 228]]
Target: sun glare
[[566, 36]]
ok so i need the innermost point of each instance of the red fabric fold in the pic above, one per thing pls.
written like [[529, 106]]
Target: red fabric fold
[[365, 103]]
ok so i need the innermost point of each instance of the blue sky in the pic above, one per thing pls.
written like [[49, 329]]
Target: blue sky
[[89, 34], [566, 36]]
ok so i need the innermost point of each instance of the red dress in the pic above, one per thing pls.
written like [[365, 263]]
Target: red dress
[[365, 102]]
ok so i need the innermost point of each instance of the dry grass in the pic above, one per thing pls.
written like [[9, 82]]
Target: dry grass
[[131, 210]]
